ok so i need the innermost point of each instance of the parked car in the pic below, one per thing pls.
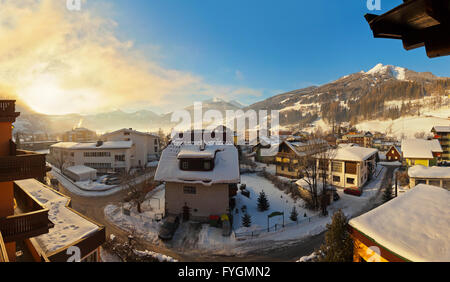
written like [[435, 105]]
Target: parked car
[[168, 228], [112, 181]]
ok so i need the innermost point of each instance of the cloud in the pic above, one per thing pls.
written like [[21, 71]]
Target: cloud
[[61, 61]]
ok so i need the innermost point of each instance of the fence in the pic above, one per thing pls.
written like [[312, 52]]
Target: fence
[[274, 228]]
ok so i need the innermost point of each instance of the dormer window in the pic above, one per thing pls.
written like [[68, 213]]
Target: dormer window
[[196, 164]]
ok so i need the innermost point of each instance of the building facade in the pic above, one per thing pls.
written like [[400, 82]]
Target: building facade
[[200, 179], [146, 146], [79, 135], [105, 157], [32, 227], [349, 166], [442, 134], [421, 152]]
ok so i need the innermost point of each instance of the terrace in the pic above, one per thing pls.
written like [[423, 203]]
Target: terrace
[[30, 218]]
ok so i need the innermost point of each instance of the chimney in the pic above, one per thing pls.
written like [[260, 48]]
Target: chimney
[[99, 143]]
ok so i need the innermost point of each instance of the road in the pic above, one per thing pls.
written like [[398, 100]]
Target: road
[[270, 251]]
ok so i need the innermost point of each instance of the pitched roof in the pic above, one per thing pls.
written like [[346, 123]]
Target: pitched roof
[[442, 128], [350, 152], [417, 234], [226, 164], [420, 148]]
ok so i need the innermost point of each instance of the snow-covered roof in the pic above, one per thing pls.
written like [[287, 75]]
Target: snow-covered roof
[[442, 128], [420, 148], [69, 227], [81, 169], [420, 171], [93, 145], [352, 153], [226, 164], [414, 225]]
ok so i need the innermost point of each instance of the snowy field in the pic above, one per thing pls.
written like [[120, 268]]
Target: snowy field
[[145, 224]]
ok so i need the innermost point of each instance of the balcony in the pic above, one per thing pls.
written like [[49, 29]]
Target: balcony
[[22, 165], [30, 218], [8, 111]]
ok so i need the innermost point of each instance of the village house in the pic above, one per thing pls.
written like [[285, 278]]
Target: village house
[[105, 157], [79, 135], [421, 152], [409, 228], [349, 166], [290, 157], [200, 180], [36, 222], [146, 146], [361, 139], [435, 176], [394, 154], [442, 134], [266, 149]]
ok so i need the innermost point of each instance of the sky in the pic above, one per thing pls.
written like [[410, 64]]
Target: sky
[[162, 55]]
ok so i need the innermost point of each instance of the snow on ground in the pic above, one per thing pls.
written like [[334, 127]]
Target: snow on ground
[[202, 237], [407, 126], [278, 200], [91, 189], [145, 224]]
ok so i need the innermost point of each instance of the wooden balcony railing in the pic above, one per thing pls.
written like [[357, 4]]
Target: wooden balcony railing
[[3, 254], [23, 165], [8, 111], [31, 221]]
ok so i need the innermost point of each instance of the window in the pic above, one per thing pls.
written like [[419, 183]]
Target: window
[[207, 165], [185, 165], [189, 190], [421, 181], [350, 180], [336, 167], [336, 178], [120, 158], [435, 183]]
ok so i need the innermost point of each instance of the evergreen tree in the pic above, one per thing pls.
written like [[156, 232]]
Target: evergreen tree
[[263, 203], [338, 246], [246, 220], [294, 214]]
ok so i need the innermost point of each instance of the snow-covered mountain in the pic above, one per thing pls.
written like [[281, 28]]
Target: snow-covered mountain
[[385, 93]]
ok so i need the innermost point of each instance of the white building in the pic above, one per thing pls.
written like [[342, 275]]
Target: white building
[[105, 157], [146, 146], [81, 173], [435, 176], [350, 166]]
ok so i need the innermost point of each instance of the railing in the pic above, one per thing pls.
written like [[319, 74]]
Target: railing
[[7, 107], [24, 165], [31, 223], [3, 253], [8, 110]]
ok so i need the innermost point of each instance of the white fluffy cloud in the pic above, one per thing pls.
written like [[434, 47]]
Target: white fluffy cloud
[[58, 61]]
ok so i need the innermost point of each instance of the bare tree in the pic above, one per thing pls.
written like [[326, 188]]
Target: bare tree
[[136, 190], [311, 167], [59, 159]]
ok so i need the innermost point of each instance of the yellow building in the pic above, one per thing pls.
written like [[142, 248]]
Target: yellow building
[[421, 152], [442, 134]]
